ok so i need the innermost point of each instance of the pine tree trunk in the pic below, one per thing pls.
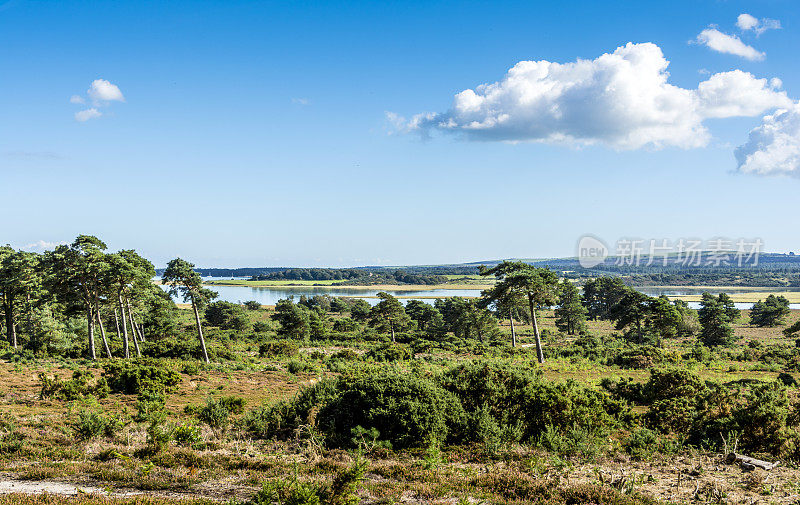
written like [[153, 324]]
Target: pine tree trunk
[[119, 335], [140, 330], [133, 331], [391, 328], [125, 345], [134, 326], [28, 315], [200, 332], [90, 327], [11, 330], [103, 335], [539, 353], [513, 332]]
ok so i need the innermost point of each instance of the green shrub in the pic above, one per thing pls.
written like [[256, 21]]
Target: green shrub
[[573, 441], [227, 316], [92, 422], [639, 357], [519, 400], [74, 389], [297, 366], [188, 435], [278, 348], [172, 348], [390, 352], [261, 327], [132, 376], [408, 410], [640, 443], [268, 421], [216, 412]]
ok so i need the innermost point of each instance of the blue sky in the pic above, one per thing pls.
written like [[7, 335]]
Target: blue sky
[[256, 133]]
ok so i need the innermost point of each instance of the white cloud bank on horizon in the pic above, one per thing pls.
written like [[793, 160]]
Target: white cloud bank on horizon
[[101, 93], [773, 148], [620, 99], [42, 245], [728, 44], [746, 22]]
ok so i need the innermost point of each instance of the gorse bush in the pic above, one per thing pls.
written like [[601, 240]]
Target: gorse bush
[[216, 412], [74, 389], [91, 422], [188, 435], [390, 352], [297, 366], [408, 410], [763, 415], [518, 398], [484, 402], [132, 376], [278, 348]]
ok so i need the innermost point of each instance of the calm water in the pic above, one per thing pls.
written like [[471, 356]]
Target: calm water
[[271, 295]]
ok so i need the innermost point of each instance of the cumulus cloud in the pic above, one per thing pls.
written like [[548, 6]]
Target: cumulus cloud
[[100, 93], [621, 99], [103, 91], [746, 22], [85, 115], [773, 148], [737, 93], [728, 44]]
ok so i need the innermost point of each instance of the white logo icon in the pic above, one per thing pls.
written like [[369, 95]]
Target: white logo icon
[[591, 251]]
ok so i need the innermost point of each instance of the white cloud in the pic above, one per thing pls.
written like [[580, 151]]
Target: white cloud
[[773, 148], [738, 93], [301, 101], [728, 44], [87, 114], [103, 91], [746, 22], [621, 99], [42, 245]]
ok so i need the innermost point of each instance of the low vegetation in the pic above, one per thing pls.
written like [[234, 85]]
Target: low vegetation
[[538, 392]]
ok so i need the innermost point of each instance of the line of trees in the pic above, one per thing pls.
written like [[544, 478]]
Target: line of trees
[[41, 294]]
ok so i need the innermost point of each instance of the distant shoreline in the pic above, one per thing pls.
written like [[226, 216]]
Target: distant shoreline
[[332, 285]]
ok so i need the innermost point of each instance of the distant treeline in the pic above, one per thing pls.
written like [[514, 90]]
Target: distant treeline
[[352, 276], [772, 270]]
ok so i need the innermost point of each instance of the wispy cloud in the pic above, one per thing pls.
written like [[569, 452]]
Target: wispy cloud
[[100, 93], [301, 101], [87, 114], [728, 44], [40, 155], [746, 22]]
